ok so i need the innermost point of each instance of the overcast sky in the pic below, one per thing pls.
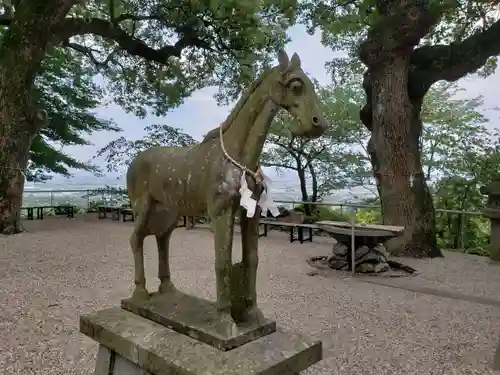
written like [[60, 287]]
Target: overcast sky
[[200, 112]]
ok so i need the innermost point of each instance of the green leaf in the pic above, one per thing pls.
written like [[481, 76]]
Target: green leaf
[[119, 153]]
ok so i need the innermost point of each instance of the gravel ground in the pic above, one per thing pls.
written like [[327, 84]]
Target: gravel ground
[[62, 268]]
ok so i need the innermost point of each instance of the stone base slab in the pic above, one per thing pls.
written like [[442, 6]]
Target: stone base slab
[[133, 345], [496, 359], [195, 317]]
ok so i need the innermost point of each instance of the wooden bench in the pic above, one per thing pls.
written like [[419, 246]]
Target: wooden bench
[[67, 210], [293, 227], [63, 210], [102, 212], [127, 214], [192, 222]]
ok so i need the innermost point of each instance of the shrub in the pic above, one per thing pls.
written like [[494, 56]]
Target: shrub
[[323, 213]]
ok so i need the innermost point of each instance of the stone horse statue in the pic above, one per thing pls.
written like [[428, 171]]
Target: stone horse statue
[[167, 183]]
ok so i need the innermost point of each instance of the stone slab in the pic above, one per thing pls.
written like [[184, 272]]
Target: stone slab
[[496, 359], [110, 363], [159, 350], [195, 317]]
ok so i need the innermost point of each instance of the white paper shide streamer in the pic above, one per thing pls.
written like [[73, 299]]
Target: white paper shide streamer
[[266, 201]]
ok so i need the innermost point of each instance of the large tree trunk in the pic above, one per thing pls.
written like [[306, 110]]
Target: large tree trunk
[[394, 121], [314, 184], [22, 51], [14, 154], [303, 189]]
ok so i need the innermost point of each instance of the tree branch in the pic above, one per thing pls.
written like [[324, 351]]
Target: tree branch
[[454, 61], [409, 20], [278, 165], [289, 147], [89, 53], [135, 18], [315, 154], [79, 26]]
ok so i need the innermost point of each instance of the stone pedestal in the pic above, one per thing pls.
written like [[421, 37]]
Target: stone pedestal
[[196, 318], [496, 359], [181, 338], [492, 212]]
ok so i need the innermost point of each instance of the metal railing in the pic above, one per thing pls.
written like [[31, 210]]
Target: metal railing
[[89, 197], [80, 198]]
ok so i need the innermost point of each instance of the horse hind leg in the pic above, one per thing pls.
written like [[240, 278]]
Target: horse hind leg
[[163, 242], [142, 213]]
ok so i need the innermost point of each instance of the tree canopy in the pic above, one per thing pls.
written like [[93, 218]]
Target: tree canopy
[[447, 39], [141, 56], [68, 92], [119, 153], [156, 54]]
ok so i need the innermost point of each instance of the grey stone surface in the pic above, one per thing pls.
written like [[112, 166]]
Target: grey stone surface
[[368, 259], [496, 359], [365, 268], [197, 318], [362, 253], [339, 249], [118, 366], [381, 250], [162, 351], [381, 267], [105, 361]]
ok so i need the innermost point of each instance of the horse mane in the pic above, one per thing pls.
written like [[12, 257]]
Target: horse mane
[[215, 133]]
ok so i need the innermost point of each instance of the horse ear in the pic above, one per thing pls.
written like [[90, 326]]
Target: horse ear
[[283, 60], [295, 62]]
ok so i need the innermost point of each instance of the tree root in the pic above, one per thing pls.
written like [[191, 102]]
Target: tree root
[[400, 266], [12, 229]]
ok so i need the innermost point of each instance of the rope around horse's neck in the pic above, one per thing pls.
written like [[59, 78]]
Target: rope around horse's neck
[[245, 169]]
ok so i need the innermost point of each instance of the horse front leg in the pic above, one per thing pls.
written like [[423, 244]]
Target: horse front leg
[[142, 213], [223, 227], [249, 245]]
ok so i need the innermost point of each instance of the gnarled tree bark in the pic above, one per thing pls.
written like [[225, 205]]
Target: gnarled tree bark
[[396, 159], [21, 53], [392, 58], [392, 115]]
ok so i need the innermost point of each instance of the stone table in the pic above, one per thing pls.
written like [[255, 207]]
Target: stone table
[[368, 240]]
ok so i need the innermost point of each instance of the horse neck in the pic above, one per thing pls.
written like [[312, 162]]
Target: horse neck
[[244, 139]]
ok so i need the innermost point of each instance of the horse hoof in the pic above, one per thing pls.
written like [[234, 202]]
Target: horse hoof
[[254, 315], [166, 287], [140, 294]]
